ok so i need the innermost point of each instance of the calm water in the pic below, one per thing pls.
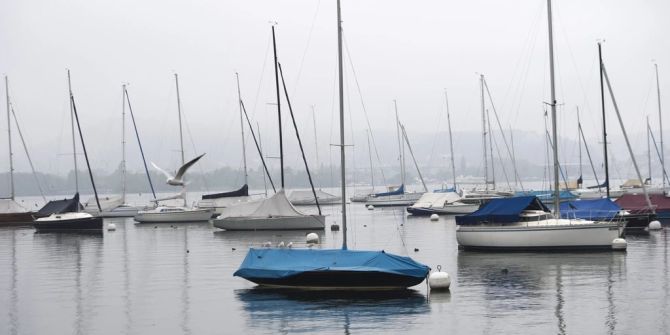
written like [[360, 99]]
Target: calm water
[[146, 279]]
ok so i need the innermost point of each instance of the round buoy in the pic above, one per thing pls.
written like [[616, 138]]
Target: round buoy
[[312, 238], [619, 244], [334, 227], [370, 207], [111, 227], [439, 280], [434, 217], [655, 225]]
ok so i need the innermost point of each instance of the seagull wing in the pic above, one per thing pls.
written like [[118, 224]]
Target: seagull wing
[[185, 167], [161, 170]]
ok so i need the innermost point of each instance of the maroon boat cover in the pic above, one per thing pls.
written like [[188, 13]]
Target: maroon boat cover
[[636, 203]]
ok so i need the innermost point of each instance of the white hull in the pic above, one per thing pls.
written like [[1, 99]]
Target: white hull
[[406, 199], [219, 206], [121, 212], [330, 201], [457, 209], [539, 236], [307, 222], [595, 194], [188, 215]]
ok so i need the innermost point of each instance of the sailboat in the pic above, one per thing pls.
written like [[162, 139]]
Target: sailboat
[[67, 218], [11, 212], [525, 223], [168, 214], [399, 196], [335, 268], [275, 212], [219, 201]]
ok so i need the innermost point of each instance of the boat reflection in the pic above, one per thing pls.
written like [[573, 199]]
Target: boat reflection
[[285, 310]]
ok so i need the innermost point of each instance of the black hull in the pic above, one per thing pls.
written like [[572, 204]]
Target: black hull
[[93, 225], [16, 219], [341, 280], [543, 249], [637, 223]]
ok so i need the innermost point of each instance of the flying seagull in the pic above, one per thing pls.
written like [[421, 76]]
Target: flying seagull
[[177, 180]]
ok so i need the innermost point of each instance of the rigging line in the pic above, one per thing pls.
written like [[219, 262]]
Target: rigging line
[[411, 152], [365, 112], [551, 143], [137, 134], [297, 135], [502, 133], [588, 154], [260, 81], [25, 148], [437, 134], [502, 165], [260, 151], [658, 153], [83, 147], [190, 137], [304, 53]]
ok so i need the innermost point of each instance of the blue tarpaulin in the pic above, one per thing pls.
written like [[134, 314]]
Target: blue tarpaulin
[[283, 263], [548, 195], [592, 209], [503, 210], [400, 190]]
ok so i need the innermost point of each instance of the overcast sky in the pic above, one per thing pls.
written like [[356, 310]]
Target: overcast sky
[[405, 50]]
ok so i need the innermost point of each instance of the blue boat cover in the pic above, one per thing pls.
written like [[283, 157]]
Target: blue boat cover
[[502, 210], [282, 263], [400, 190], [591, 209], [445, 190], [548, 195]]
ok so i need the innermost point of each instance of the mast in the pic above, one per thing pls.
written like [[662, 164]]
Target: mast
[[281, 144], [139, 143], [260, 150], [9, 142], [123, 141], [553, 112], [660, 126], [244, 148], [74, 145], [490, 132], [181, 136], [602, 103], [341, 103], [400, 145], [451, 141], [316, 142], [486, 164]]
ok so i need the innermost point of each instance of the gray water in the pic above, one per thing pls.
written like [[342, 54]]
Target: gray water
[[177, 279]]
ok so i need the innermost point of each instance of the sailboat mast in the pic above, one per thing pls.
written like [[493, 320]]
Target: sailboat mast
[[316, 141], [181, 136], [123, 141], [493, 167], [486, 164], [244, 148], [281, 144], [602, 103], [660, 126], [400, 145], [553, 111], [260, 151], [341, 103], [74, 145], [579, 141], [648, 149], [9, 142], [451, 141]]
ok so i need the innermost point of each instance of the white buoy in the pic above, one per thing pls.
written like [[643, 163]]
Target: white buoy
[[619, 244], [111, 227], [434, 217], [370, 207], [439, 280], [312, 238], [655, 225]]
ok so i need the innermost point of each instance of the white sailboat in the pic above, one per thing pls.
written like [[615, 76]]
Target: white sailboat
[[398, 197], [525, 223], [168, 214], [276, 212]]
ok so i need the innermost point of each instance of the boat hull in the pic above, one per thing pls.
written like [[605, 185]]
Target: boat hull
[[202, 215], [596, 236], [89, 224], [341, 280], [16, 219], [307, 222], [121, 212], [457, 209], [406, 199]]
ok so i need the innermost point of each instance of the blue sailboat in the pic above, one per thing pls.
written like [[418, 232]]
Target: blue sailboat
[[327, 269]]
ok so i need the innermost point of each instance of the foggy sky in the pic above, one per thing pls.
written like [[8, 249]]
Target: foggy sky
[[409, 51]]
